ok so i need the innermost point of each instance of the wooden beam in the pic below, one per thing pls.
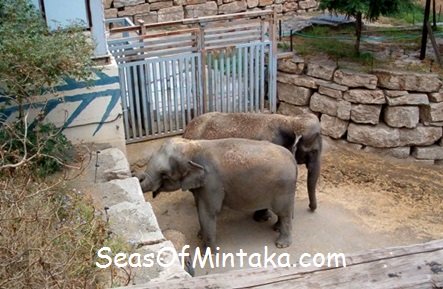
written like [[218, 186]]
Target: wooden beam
[[434, 44], [413, 267]]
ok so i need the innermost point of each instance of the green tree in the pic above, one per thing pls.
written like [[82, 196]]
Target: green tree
[[359, 9], [34, 59]]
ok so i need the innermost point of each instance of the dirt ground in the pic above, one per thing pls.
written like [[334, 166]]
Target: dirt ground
[[365, 201]]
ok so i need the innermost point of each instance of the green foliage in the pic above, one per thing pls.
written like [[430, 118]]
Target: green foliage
[[411, 13], [43, 147], [34, 59]]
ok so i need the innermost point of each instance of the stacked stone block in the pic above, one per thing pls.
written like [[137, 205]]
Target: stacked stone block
[[153, 11], [388, 112]]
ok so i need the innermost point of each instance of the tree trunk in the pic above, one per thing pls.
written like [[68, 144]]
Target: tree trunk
[[358, 29]]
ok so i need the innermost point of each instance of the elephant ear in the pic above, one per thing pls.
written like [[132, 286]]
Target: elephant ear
[[194, 176]]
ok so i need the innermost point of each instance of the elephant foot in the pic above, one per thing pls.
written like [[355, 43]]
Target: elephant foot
[[312, 207], [262, 215], [276, 226], [283, 242]]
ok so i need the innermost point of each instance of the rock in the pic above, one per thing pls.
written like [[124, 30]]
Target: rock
[[376, 136], [438, 162], [436, 96], [149, 17], [112, 165], [237, 6], [200, 10], [126, 3], [135, 222], [420, 136], [402, 116], [264, 3], [408, 99], [107, 4], [293, 65], [354, 79], [428, 153], [323, 71], [290, 7], [132, 10], [111, 13], [399, 153], [278, 8], [117, 191], [337, 94], [178, 239], [195, 2], [170, 14], [344, 110], [323, 104], [363, 113], [253, 4], [408, 81], [395, 93], [307, 4], [365, 96], [332, 126], [163, 5], [289, 109], [293, 94], [298, 80], [432, 112], [331, 85]]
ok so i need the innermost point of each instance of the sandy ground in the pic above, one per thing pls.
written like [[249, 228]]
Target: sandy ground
[[365, 201]]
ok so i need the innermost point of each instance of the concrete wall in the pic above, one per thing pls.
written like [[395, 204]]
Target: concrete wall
[[152, 11], [88, 114], [389, 112]]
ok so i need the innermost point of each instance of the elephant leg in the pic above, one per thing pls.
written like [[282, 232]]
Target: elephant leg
[[284, 208], [313, 166], [207, 219], [262, 215]]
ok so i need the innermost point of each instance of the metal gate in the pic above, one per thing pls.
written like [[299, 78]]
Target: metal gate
[[221, 63]]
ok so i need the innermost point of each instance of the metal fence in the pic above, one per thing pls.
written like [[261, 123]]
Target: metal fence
[[220, 63]]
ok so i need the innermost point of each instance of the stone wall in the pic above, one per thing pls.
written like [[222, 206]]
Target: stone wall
[[394, 113], [152, 11]]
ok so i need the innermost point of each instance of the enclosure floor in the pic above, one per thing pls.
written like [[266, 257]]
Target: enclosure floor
[[365, 201]]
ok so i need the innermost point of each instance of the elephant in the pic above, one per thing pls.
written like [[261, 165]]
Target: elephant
[[242, 174], [278, 129]]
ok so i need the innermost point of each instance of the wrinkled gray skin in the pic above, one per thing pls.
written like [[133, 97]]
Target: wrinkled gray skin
[[278, 129], [242, 174]]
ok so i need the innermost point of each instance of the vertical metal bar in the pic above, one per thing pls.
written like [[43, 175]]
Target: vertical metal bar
[[162, 91], [169, 88], [150, 95], [123, 93], [240, 79], [175, 92], [155, 65], [217, 85], [131, 101], [290, 40], [182, 92], [201, 85], [138, 114], [251, 78], [210, 82], [228, 81], [144, 97], [262, 77], [257, 77], [188, 90], [234, 80], [246, 82], [222, 78], [195, 98], [273, 65]]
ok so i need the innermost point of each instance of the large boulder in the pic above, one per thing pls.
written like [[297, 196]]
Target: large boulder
[[233, 7], [408, 99], [355, 79], [365, 113], [420, 82], [320, 70], [436, 97], [170, 14], [324, 104], [402, 116], [365, 96], [333, 126], [292, 110], [293, 94], [294, 65], [399, 152], [420, 136], [297, 80], [200, 10], [428, 153], [381, 135], [124, 3], [344, 110], [432, 112]]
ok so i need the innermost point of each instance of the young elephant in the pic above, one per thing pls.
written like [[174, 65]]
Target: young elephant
[[278, 129], [241, 174]]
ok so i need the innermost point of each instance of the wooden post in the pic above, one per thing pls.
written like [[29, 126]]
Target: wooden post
[[424, 36], [434, 16]]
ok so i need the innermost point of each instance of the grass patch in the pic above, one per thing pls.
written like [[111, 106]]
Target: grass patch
[[409, 14]]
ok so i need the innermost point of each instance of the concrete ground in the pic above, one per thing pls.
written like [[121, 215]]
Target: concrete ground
[[365, 201]]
